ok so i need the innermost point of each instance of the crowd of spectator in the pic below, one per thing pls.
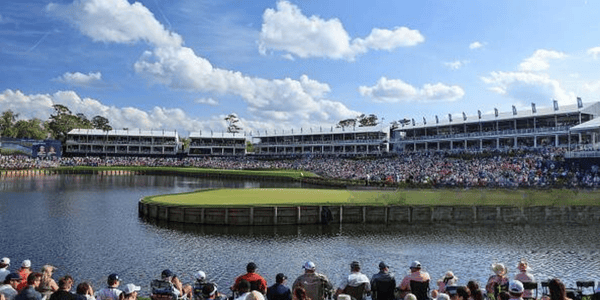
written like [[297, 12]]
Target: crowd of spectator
[[540, 168]]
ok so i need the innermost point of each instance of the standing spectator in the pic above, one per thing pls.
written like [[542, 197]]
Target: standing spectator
[[47, 285], [4, 264], [356, 284], [279, 291], [257, 282], [316, 285], [111, 292], [24, 272], [30, 293], [383, 283], [64, 290], [9, 287]]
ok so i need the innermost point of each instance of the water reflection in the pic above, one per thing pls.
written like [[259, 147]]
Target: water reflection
[[88, 226]]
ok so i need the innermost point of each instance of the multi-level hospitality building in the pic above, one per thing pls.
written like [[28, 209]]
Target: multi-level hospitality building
[[355, 141], [217, 144], [525, 128], [95, 142]]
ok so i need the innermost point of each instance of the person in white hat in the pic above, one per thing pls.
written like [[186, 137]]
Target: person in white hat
[[356, 284], [416, 274], [4, 264], [515, 290], [130, 292], [201, 281], [24, 272], [525, 276], [497, 282], [317, 286]]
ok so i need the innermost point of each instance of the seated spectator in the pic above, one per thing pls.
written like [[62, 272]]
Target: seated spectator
[[243, 290], [209, 291], [30, 292], [515, 290], [497, 282], [64, 290], [416, 275], [85, 291], [9, 286], [357, 284], [4, 264], [199, 285], [24, 272], [111, 292], [47, 285], [130, 292], [279, 291], [257, 282]]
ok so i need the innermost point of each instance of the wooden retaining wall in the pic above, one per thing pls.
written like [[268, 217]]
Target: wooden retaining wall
[[298, 215]]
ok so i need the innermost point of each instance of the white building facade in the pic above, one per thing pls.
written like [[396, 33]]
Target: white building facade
[[95, 142]]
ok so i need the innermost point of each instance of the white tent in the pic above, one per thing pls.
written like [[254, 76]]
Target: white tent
[[593, 124]]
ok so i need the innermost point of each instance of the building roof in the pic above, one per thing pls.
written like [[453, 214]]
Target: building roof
[[502, 116], [593, 124], [131, 132], [226, 135], [311, 131]]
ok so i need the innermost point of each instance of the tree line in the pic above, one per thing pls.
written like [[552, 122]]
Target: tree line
[[56, 127]]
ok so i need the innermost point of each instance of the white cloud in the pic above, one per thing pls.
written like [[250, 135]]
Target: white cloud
[[287, 29], [526, 86], [539, 60], [594, 52], [171, 64], [207, 101], [80, 79], [40, 106], [455, 65], [592, 87], [475, 45], [396, 90]]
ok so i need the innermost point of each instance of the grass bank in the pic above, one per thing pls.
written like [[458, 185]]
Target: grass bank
[[300, 197]]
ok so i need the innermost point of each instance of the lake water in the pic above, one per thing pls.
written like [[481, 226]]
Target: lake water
[[88, 226]]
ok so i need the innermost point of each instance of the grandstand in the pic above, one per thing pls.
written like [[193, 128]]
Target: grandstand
[[217, 144], [530, 128], [95, 142], [355, 141]]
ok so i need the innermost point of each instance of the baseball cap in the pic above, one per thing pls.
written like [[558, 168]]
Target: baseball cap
[[130, 288], [13, 276], [443, 296], [515, 287], [280, 277], [200, 275], [383, 265], [354, 264], [415, 265], [5, 260], [26, 264], [451, 290], [309, 265], [114, 277], [166, 273]]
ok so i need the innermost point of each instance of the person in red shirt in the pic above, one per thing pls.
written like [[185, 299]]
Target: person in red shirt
[[257, 282], [24, 272]]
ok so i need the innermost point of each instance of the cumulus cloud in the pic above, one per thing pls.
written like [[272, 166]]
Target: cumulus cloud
[[207, 101], [396, 90], [594, 52], [80, 79], [475, 45], [40, 106], [170, 63], [539, 60], [287, 29], [528, 86]]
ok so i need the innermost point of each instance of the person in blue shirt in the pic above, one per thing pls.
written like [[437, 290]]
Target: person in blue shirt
[[279, 291]]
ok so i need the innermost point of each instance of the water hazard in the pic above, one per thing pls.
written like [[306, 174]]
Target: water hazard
[[88, 226]]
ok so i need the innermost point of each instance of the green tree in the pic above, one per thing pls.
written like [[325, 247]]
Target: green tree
[[186, 142], [232, 126], [63, 121], [33, 129], [100, 122], [346, 123], [367, 121], [249, 147], [7, 123]]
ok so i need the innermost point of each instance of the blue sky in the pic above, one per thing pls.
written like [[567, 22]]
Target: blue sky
[[186, 64]]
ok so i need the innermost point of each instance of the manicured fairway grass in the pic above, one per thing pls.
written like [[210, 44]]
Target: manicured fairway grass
[[294, 196]]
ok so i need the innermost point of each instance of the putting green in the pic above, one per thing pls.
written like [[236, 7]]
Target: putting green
[[299, 197]]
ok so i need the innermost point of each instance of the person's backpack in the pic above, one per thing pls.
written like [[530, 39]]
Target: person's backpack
[[162, 290]]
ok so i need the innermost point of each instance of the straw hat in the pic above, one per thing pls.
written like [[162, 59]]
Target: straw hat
[[499, 269]]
